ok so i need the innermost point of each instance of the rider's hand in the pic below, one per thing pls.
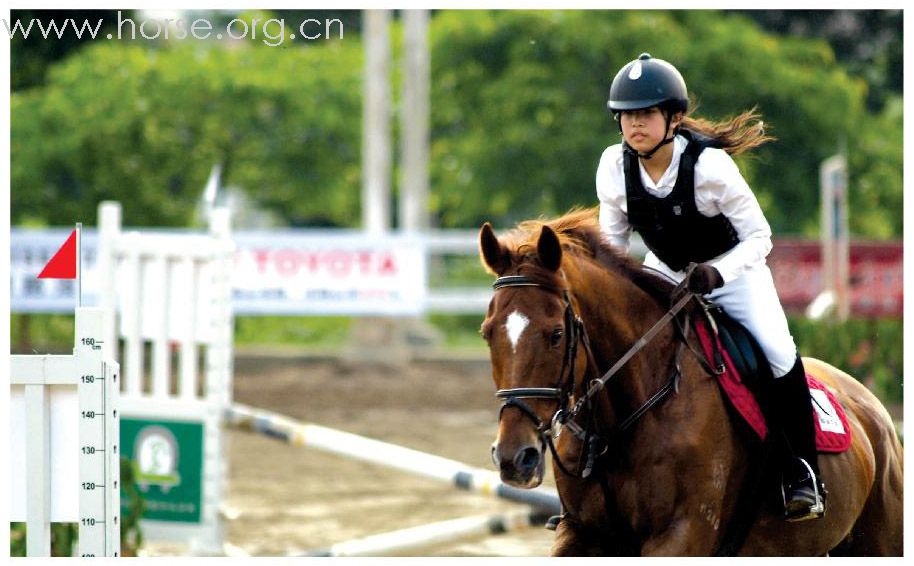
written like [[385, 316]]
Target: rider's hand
[[704, 279]]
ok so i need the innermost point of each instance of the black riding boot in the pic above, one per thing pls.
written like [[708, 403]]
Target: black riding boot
[[804, 492]]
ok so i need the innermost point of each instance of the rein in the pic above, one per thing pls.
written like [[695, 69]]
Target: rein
[[565, 384]]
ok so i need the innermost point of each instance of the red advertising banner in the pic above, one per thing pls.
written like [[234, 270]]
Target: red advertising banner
[[876, 276]]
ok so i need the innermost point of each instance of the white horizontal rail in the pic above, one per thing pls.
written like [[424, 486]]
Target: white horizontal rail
[[43, 370], [463, 300]]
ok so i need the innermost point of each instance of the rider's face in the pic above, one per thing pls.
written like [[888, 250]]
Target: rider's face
[[644, 129]]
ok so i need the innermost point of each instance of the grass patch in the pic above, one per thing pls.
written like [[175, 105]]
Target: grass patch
[[304, 331], [41, 333], [459, 331]]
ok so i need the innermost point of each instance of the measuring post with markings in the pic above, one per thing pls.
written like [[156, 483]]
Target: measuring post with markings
[[62, 472]]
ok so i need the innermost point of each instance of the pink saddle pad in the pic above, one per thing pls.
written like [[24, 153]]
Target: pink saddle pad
[[833, 434]]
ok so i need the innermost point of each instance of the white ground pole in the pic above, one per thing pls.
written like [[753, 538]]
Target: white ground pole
[[399, 542], [407, 460], [174, 291], [65, 461]]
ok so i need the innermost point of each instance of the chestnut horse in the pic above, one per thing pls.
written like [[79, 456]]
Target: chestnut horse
[[566, 308]]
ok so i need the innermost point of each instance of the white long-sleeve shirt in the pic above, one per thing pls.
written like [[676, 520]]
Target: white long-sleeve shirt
[[719, 189]]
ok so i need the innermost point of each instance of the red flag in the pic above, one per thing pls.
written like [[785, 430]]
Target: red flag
[[63, 264]]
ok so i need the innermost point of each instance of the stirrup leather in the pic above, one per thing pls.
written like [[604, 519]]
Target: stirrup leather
[[814, 511]]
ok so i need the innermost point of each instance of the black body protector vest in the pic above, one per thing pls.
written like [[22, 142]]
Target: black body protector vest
[[672, 227]]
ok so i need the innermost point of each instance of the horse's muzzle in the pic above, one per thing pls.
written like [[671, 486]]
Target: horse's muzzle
[[522, 467]]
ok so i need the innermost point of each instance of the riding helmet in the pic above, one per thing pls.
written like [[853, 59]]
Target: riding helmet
[[647, 82]]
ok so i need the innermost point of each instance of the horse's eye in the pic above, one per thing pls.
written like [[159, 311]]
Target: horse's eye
[[556, 337]]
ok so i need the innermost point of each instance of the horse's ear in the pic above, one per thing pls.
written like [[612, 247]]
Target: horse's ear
[[494, 255], [549, 249]]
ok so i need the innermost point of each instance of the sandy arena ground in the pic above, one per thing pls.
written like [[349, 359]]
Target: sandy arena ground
[[292, 499]]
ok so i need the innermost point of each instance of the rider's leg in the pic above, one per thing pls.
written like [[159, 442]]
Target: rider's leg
[[752, 300], [792, 407]]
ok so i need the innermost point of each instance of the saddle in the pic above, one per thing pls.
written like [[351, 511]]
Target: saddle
[[743, 370], [744, 351]]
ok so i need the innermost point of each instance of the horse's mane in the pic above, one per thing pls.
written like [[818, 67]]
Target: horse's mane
[[580, 236]]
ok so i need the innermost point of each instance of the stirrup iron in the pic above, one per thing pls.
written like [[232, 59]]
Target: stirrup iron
[[817, 509]]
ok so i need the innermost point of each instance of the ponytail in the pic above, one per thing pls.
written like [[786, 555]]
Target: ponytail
[[733, 135]]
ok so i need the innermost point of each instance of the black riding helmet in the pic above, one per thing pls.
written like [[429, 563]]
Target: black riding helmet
[[644, 83]]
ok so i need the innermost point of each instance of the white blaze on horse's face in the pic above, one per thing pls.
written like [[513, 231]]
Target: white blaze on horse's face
[[515, 326]]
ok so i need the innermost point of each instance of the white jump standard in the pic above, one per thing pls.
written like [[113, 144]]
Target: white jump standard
[[64, 426]]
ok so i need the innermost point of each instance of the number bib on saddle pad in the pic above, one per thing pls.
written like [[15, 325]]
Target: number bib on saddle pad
[[832, 430]]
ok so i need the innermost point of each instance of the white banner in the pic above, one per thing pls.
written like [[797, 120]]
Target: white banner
[[328, 273], [291, 272], [30, 250]]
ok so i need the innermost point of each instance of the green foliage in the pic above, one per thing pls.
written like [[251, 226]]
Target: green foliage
[[869, 350], [869, 43], [63, 539], [876, 202], [518, 120], [459, 331], [65, 536], [144, 126], [17, 539], [131, 534], [457, 271], [41, 333], [31, 56], [299, 331]]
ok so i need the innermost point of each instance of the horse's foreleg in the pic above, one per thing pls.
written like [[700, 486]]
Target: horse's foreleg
[[572, 540], [684, 537]]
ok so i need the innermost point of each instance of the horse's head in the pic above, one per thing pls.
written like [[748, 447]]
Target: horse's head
[[533, 336]]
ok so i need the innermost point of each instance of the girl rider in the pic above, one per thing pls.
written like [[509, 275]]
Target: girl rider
[[673, 181]]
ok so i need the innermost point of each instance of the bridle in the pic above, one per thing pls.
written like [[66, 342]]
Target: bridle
[[563, 391]]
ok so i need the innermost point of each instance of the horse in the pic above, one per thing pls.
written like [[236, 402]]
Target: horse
[[672, 469]]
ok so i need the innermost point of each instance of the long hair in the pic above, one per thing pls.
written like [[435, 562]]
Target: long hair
[[734, 135]]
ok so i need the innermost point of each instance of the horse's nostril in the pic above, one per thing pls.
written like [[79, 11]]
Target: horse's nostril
[[527, 459], [494, 455]]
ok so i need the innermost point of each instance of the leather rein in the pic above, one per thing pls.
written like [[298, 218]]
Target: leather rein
[[563, 392]]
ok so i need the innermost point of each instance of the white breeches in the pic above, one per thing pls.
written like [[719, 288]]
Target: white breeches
[[752, 300]]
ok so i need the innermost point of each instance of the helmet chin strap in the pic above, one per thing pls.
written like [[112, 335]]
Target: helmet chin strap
[[663, 142], [651, 153]]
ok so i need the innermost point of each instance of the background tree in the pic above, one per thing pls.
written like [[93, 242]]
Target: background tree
[[518, 119], [31, 56], [145, 127], [869, 43]]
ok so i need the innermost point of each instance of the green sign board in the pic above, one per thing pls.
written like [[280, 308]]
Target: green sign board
[[167, 462]]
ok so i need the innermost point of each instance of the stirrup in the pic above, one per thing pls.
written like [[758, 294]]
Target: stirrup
[[817, 508]]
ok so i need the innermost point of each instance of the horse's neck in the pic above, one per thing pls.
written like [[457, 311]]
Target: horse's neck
[[642, 492], [615, 321]]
